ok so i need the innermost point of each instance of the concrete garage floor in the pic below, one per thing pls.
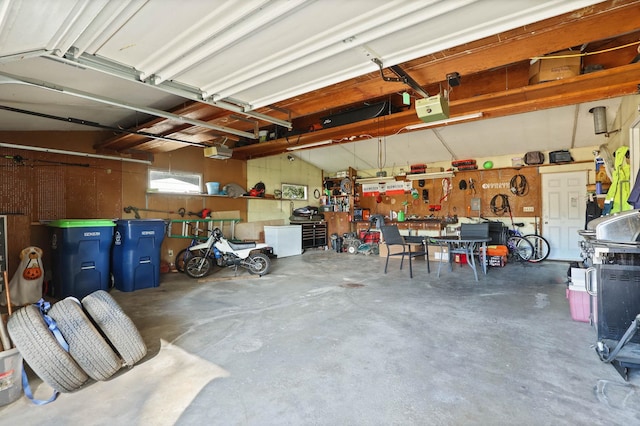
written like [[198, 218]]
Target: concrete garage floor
[[328, 339]]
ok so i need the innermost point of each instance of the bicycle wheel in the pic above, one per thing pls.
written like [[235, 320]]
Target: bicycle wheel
[[540, 247], [520, 247], [183, 257]]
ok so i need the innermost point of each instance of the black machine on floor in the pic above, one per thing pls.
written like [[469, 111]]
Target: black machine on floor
[[612, 247], [618, 307]]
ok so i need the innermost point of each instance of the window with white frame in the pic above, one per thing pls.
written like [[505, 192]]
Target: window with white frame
[[175, 182]]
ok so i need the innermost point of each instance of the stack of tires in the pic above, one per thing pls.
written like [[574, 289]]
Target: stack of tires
[[100, 336]]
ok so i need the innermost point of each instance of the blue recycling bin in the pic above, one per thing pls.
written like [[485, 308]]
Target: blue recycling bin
[[135, 257], [80, 250]]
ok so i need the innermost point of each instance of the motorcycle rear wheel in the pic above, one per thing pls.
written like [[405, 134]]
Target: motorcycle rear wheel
[[198, 266], [258, 263]]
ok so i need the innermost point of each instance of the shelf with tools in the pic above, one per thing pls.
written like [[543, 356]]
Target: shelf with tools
[[338, 201]]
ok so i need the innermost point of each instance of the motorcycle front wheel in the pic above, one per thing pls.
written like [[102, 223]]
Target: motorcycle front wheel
[[258, 263], [197, 266]]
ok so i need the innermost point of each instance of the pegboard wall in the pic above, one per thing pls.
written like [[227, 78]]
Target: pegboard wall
[[480, 186]]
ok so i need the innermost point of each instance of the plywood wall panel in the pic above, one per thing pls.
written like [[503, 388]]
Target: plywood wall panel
[[488, 184]]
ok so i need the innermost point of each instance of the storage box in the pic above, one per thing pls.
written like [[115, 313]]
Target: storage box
[[566, 65], [497, 250], [435, 254], [497, 261], [397, 249], [578, 279], [460, 258], [516, 162], [10, 376], [370, 237], [579, 305]]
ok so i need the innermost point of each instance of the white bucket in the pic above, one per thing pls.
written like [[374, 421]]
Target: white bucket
[[10, 376], [213, 188]]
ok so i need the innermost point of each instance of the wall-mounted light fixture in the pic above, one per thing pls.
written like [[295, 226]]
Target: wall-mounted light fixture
[[600, 121], [447, 121]]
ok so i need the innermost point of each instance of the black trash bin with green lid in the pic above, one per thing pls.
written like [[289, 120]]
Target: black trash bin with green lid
[[80, 255], [135, 258]]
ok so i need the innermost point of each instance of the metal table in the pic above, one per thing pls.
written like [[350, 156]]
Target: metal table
[[465, 246]]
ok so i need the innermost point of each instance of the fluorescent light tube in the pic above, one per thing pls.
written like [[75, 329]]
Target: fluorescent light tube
[[309, 145], [447, 121]]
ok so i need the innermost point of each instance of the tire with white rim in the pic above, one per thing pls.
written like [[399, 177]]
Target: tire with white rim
[[116, 326], [86, 345], [40, 349]]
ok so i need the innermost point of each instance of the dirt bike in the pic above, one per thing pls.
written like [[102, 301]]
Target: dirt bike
[[250, 255]]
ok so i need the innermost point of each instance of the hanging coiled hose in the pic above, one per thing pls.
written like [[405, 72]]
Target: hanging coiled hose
[[500, 204], [519, 186]]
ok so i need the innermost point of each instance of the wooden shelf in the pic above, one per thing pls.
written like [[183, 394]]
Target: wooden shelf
[[432, 175], [189, 194]]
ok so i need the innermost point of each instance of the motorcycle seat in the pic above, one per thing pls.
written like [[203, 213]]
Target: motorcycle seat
[[242, 245]]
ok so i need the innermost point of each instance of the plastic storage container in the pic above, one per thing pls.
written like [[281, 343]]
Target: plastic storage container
[[135, 259], [80, 250], [579, 299], [10, 376], [213, 188]]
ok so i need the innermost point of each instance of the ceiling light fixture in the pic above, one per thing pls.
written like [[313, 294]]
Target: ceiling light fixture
[[447, 121], [309, 145]]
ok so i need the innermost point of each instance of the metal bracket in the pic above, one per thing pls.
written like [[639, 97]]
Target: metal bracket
[[402, 77]]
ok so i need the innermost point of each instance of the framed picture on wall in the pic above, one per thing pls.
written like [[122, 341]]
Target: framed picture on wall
[[291, 191]]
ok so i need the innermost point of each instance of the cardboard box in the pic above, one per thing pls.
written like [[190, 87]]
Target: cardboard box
[[566, 65], [397, 249], [435, 254]]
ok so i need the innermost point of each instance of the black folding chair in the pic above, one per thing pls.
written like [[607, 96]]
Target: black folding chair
[[392, 238]]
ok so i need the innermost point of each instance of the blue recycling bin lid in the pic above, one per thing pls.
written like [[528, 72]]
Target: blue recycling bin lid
[[81, 223]]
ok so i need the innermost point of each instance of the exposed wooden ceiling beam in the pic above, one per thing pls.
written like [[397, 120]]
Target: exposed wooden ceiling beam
[[494, 72], [604, 84]]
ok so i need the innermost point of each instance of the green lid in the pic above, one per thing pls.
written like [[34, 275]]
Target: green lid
[[81, 223]]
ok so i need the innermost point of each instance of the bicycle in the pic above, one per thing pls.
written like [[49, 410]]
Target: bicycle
[[183, 256], [540, 245], [519, 248]]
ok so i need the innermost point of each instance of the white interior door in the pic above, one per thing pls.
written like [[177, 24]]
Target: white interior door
[[563, 212]]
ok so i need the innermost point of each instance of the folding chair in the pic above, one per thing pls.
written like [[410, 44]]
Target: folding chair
[[392, 237]]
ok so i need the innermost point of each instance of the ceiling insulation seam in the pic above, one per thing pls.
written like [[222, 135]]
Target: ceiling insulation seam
[[113, 16], [130, 74], [75, 23], [216, 42], [350, 34], [399, 56], [11, 79]]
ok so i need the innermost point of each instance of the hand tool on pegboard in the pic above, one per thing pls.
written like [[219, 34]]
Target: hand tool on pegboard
[[135, 210]]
